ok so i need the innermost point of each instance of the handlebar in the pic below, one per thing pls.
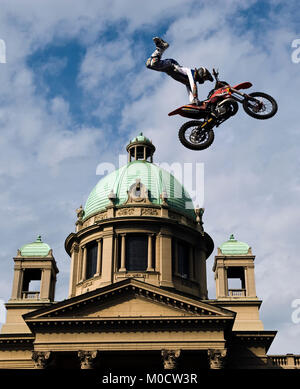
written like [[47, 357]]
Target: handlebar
[[216, 74]]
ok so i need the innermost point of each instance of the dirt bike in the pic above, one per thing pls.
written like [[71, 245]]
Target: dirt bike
[[220, 105]]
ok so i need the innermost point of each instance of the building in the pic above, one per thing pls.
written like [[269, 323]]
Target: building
[[138, 291]]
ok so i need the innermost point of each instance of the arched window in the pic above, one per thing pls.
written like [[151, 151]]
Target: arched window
[[136, 252], [91, 259]]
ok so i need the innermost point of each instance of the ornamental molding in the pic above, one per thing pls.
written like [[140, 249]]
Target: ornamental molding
[[138, 193]]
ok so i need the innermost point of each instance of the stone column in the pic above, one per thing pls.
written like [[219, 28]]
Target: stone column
[[45, 284], [84, 259], [222, 281], [40, 359], [99, 258], [170, 358], [150, 248], [250, 281], [17, 284], [123, 252], [74, 269], [87, 359], [107, 256], [216, 358], [200, 271], [165, 259]]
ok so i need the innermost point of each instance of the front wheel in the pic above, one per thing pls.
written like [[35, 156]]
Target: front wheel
[[260, 105], [192, 136]]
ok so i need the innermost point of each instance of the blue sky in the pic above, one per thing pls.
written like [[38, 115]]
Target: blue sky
[[75, 89]]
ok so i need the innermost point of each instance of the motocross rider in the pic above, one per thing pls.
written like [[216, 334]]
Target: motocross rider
[[187, 76]]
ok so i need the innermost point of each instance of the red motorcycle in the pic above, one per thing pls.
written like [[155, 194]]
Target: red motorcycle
[[221, 104]]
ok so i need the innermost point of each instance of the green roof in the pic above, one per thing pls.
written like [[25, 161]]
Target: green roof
[[234, 247], [156, 180], [35, 249], [141, 138]]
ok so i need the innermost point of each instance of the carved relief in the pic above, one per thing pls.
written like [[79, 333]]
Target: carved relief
[[138, 193], [170, 358], [87, 359], [149, 212], [216, 358], [101, 216], [40, 359], [125, 212]]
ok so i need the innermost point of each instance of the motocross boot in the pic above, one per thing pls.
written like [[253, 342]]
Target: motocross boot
[[160, 43]]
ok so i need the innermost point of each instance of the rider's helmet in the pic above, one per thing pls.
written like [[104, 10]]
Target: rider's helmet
[[202, 74]]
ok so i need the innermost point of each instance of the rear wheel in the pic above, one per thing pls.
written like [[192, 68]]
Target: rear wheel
[[192, 136], [262, 106]]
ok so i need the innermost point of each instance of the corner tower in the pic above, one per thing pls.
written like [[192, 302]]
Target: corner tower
[[33, 285], [235, 283], [139, 222]]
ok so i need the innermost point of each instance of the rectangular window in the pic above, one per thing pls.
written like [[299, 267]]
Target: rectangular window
[[183, 259], [91, 260], [136, 252]]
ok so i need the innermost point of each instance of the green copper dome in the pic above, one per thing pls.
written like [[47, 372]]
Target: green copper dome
[[156, 180], [35, 249], [234, 247], [141, 138]]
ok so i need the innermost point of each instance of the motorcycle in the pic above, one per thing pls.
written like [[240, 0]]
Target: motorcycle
[[221, 104]]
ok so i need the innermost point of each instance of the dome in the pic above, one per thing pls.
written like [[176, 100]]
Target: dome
[[140, 139], [156, 180], [234, 247], [35, 249]]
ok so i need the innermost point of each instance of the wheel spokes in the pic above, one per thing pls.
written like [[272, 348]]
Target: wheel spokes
[[196, 135], [260, 106]]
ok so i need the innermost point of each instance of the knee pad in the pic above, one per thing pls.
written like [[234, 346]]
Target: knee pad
[[151, 62]]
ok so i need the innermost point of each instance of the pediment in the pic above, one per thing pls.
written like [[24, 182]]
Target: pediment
[[130, 299]]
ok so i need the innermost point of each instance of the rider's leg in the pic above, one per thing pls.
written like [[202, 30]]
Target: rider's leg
[[190, 94], [155, 62]]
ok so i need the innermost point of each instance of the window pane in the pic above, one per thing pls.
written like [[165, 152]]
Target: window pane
[[136, 252], [91, 264], [183, 259]]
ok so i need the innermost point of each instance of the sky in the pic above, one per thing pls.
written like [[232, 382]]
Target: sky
[[75, 90]]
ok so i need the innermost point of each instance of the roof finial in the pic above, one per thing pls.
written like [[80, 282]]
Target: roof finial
[[39, 238], [231, 237]]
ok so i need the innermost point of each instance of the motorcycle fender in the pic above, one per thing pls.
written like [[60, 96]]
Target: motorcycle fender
[[186, 111], [243, 85]]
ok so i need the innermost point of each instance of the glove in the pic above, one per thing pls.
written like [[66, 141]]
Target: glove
[[196, 101]]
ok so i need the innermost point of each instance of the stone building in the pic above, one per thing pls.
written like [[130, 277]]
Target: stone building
[[138, 286]]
